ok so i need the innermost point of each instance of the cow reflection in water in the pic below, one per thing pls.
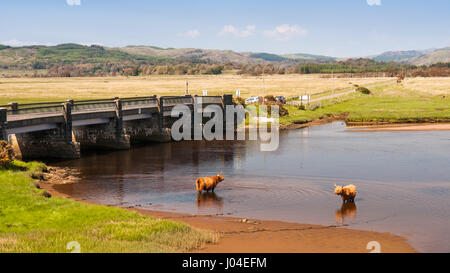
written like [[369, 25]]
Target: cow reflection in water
[[209, 200], [347, 211]]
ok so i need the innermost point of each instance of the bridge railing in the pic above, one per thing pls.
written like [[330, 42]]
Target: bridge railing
[[208, 99], [140, 102], [173, 100], [44, 108], [57, 108], [93, 106]]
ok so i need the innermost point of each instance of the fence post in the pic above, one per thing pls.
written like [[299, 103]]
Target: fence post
[[119, 117], [161, 112], [67, 112], [193, 109], [227, 99], [14, 107], [3, 122]]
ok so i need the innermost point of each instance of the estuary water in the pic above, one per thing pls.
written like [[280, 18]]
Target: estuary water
[[403, 180]]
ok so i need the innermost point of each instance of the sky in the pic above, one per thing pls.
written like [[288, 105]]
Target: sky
[[340, 28]]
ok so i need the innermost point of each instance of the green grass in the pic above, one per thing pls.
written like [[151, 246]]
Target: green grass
[[30, 222], [388, 104]]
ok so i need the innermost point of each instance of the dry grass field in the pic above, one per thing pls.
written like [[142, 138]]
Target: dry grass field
[[433, 86], [57, 89]]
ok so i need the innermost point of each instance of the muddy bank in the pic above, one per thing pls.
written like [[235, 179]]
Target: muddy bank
[[251, 235], [321, 121], [58, 175]]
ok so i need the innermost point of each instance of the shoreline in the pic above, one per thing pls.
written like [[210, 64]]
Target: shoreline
[[392, 127], [315, 122], [373, 126], [239, 235]]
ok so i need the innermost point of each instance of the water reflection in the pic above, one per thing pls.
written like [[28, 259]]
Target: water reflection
[[209, 200], [347, 211]]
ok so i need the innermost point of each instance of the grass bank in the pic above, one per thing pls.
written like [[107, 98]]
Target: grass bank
[[387, 104], [31, 222]]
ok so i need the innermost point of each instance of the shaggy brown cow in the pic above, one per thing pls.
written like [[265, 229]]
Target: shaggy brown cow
[[208, 183], [347, 193]]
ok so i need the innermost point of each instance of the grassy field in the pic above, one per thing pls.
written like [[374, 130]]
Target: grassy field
[[58, 89], [432, 86], [30, 222], [416, 99], [390, 103]]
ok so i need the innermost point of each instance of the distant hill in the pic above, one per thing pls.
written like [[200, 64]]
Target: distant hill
[[415, 57], [398, 56], [225, 56], [438, 56], [193, 54], [4, 47], [131, 60], [267, 57], [303, 56], [40, 57]]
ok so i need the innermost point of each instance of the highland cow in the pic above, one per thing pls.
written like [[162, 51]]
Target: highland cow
[[348, 193], [208, 183]]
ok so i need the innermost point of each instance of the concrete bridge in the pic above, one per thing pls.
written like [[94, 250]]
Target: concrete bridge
[[60, 129]]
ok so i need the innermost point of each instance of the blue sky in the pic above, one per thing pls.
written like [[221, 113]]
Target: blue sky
[[339, 28]]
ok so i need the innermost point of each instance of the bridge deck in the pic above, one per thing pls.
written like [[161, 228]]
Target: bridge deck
[[21, 118]]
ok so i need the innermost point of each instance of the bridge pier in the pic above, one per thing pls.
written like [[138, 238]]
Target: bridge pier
[[45, 144], [146, 130], [104, 136], [54, 143]]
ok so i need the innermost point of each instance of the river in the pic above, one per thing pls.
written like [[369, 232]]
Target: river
[[403, 180]]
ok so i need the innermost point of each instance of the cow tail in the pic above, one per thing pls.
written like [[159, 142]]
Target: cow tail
[[197, 183]]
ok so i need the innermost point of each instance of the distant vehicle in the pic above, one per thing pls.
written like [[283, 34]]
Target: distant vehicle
[[251, 100], [281, 99]]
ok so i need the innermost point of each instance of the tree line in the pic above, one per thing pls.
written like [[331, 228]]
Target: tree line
[[351, 68], [348, 68], [118, 69]]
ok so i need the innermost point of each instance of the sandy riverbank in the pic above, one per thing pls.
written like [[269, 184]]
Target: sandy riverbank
[[250, 235], [401, 127]]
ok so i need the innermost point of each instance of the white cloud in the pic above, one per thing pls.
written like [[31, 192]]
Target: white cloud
[[286, 32], [73, 2], [229, 29], [373, 2], [193, 33], [15, 42]]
